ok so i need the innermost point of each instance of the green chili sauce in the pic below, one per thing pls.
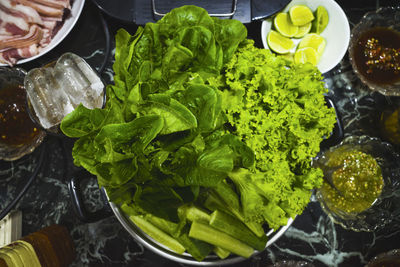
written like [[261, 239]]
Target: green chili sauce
[[358, 178]]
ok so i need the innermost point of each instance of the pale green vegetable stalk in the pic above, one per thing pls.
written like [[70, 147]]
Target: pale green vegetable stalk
[[211, 235], [158, 235]]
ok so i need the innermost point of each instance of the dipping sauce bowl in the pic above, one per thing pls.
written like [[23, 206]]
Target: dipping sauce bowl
[[18, 133]]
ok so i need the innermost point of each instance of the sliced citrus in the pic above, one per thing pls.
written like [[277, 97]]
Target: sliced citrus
[[306, 55], [315, 41], [303, 30], [284, 26], [279, 43], [321, 20], [300, 15]]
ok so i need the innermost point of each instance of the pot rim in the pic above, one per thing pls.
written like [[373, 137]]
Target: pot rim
[[184, 258]]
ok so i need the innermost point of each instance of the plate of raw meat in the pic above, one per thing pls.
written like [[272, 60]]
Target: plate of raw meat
[[31, 28]]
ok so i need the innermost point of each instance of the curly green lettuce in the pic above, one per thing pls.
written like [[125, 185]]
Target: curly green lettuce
[[278, 109]]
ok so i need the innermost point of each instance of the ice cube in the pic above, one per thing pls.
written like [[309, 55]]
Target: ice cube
[[56, 91], [79, 80], [49, 101]]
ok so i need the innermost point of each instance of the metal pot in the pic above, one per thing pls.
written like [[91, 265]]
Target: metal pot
[[110, 208]]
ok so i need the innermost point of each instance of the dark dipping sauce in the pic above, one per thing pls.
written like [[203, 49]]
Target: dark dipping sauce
[[16, 127], [377, 55]]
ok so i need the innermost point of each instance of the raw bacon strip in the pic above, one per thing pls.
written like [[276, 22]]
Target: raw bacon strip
[[33, 37], [46, 39], [56, 19], [43, 9], [49, 27], [27, 13], [28, 51], [11, 56], [10, 25], [49, 24], [60, 4]]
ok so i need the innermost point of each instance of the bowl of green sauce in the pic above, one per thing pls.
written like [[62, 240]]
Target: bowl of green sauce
[[362, 182]]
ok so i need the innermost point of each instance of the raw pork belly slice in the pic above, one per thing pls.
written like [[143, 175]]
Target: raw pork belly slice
[[27, 13], [44, 10], [54, 3], [34, 36], [11, 56]]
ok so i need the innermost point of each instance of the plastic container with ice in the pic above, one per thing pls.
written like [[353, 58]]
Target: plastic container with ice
[[55, 91]]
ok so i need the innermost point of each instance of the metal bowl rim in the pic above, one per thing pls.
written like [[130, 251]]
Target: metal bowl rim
[[185, 258]]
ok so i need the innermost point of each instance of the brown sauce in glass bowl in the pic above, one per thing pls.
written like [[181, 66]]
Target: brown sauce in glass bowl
[[377, 55], [16, 127]]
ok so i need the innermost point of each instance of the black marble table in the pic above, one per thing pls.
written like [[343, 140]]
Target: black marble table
[[313, 237]]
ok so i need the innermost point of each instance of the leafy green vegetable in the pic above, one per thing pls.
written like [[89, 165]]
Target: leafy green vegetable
[[198, 115], [280, 114]]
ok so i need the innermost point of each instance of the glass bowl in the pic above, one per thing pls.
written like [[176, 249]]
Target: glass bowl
[[390, 258], [19, 136], [381, 208], [372, 39]]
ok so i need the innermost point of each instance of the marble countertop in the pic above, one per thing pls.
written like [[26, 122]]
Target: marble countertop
[[313, 237]]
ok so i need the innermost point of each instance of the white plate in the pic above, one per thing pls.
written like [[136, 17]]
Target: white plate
[[69, 23], [336, 33]]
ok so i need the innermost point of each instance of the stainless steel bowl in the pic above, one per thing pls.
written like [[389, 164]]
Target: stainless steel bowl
[[185, 258]]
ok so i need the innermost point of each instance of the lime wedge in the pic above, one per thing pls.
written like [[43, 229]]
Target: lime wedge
[[300, 15], [303, 30], [284, 25], [315, 41], [306, 55], [321, 20], [279, 43]]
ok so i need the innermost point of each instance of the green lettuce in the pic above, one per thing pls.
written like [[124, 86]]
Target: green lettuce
[[280, 113], [197, 114], [155, 135]]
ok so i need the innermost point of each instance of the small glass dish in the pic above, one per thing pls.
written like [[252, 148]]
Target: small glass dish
[[389, 258], [374, 50], [369, 203], [19, 135]]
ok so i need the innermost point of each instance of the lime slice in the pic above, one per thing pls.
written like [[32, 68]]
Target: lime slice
[[300, 15], [315, 41], [279, 43], [303, 30], [284, 25], [306, 55], [321, 20]]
